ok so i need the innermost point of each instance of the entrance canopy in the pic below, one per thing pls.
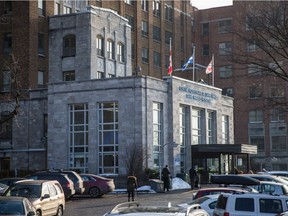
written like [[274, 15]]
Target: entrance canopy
[[223, 149]]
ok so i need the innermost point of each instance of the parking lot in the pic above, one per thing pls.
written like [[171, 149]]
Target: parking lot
[[90, 206]]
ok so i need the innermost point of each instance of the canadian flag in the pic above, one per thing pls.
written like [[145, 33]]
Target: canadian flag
[[209, 68], [170, 69]]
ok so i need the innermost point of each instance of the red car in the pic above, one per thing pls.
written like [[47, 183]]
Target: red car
[[96, 186], [217, 190]]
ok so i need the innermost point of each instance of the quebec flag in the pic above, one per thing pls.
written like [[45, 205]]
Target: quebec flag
[[190, 61]]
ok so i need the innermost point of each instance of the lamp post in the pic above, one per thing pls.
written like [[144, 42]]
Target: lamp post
[[161, 153]]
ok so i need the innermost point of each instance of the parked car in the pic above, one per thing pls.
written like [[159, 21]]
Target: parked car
[[11, 180], [276, 173], [255, 204], [3, 187], [46, 196], [207, 202], [272, 188], [96, 186], [134, 208], [19, 206], [216, 190], [63, 179], [75, 177], [263, 177]]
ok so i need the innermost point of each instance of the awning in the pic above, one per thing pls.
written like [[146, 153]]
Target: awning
[[225, 148]]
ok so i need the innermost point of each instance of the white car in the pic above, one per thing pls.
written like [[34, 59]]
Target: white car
[[276, 173], [207, 203], [135, 209], [272, 188]]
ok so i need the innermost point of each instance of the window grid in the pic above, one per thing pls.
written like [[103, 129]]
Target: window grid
[[78, 139], [225, 48], [157, 133], [156, 8], [110, 49], [108, 138], [120, 52], [156, 33], [196, 127], [211, 127], [256, 116], [69, 76], [157, 59], [225, 129], [100, 45], [145, 57], [6, 80], [144, 5], [144, 28], [277, 115], [69, 45], [183, 136]]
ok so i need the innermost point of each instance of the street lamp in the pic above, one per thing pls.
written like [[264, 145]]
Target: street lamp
[[173, 144]]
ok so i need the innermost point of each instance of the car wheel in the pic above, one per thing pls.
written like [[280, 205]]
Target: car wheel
[[38, 213], [59, 211], [94, 192]]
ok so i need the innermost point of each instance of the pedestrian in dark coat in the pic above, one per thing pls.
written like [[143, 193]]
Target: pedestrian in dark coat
[[193, 175], [131, 187], [166, 178]]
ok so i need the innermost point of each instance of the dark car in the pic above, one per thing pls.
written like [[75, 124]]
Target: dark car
[[3, 188], [10, 181], [19, 206], [66, 183], [47, 196], [96, 186], [75, 177]]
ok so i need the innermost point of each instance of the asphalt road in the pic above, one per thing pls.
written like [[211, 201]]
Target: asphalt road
[[86, 206]]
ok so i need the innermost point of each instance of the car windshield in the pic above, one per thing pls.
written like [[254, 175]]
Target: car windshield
[[28, 191], [11, 208]]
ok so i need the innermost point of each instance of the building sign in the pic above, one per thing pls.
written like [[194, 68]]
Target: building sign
[[193, 94]]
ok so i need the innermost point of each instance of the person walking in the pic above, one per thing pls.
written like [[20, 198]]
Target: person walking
[[131, 187], [193, 175], [166, 177]]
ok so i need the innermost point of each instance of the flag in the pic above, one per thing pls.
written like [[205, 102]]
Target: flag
[[170, 69], [190, 61], [209, 68]]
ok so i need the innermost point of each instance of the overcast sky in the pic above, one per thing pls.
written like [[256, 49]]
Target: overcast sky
[[204, 4]]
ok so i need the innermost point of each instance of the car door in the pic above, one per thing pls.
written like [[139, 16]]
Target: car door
[[54, 198]]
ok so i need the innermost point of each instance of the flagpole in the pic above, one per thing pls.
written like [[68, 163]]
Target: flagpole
[[213, 71], [170, 53], [194, 60]]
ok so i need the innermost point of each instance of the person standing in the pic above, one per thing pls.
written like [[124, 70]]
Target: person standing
[[166, 177], [131, 187], [193, 175]]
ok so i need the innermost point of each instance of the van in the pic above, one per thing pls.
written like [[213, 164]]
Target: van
[[250, 204]]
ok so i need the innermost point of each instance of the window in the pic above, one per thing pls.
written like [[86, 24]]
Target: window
[[227, 92], [120, 52], [40, 79], [205, 49], [197, 126], [108, 138], [144, 5], [131, 2], [130, 21], [252, 46], [7, 7], [277, 90], [168, 35], [254, 69], [100, 45], [275, 206], [224, 26], [41, 44], [144, 28], [99, 75], [157, 132], [6, 81], [78, 137], [145, 57], [132, 51], [258, 141], [110, 49], [111, 75], [7, 43], [277, 115], [182, 19], [69, 45], [205, 28], [225, 71], [69, 76], [279, 143], [244, 204], [255, 91], [211, 127], [157, 59], [156, 33], [225, 129], [67, 9], [168, 13], [183, 123], [255, 116], [225, 48], [6, 126], [40, 7], [57, 8], [156, 8]]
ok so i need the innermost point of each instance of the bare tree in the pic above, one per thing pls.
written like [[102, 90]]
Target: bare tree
[[134, 160]]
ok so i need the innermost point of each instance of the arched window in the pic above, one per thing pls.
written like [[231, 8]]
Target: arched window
[[69, 45], [120, 52], [110, 49], [100, 45]]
